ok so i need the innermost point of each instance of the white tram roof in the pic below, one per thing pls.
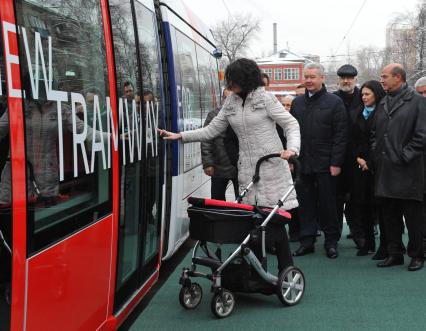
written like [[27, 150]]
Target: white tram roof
[[188, 15]]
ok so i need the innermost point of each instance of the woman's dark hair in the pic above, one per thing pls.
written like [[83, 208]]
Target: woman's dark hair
[[264, 76], [377, 89], [245, 73]]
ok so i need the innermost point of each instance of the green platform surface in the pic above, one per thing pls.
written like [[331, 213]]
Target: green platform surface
[[349, 293]]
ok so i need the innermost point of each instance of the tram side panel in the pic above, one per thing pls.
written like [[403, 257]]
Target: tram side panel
[[6, 246], [186, 110]]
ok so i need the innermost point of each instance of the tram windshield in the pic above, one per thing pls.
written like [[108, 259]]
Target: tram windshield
[[65, 85]]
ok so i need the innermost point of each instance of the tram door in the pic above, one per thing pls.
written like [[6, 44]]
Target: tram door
[[140, 108]]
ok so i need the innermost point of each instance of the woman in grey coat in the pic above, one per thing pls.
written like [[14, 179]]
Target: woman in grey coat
[[253, 114]]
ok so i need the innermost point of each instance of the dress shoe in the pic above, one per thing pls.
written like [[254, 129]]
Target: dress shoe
[[362, 251], [359, 242], [302, 250], [369, 247], [331, 252], [391, 261], [380, 254], [416, 264]]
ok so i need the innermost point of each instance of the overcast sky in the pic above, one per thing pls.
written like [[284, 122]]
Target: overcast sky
[[310, 26]]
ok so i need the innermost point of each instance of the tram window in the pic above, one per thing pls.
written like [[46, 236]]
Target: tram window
[[153, 111], [188, 93], [187, 61], [65, 85], [214, 78], [207, 87], [129, 101]]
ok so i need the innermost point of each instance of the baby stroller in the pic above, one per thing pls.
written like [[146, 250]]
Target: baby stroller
[[221, 222]]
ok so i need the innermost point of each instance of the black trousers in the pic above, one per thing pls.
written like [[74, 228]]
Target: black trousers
[[344, 208], [219, 185], [363, 218], [424, 224], [294, 225], [277, 235], [412, 210], [317, 199], [343, 201]]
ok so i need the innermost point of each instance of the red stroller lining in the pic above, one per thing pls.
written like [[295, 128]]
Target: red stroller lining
[[202, 202]]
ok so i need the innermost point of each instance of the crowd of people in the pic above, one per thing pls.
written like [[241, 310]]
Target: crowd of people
[[361, 149]]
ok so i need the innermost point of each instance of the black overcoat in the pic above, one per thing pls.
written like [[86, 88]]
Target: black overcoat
[[398, 139], [362, 182]]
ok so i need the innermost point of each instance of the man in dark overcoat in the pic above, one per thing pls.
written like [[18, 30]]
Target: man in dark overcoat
[[323, 128], [350, 95], [420, 87], [398, 139]]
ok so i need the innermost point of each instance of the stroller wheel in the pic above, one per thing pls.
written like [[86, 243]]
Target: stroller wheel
[[190, 296], [290, 286], [223, 303]]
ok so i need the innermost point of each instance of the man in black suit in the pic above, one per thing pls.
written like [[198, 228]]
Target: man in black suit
[[323, 128]]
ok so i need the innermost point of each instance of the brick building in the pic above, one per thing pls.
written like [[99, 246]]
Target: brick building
[[285, 70]]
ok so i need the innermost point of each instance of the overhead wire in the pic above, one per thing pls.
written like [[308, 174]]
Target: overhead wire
[[227, 9], [352, 24]]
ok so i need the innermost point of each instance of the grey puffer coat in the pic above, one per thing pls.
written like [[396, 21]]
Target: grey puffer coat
[[254, 125]]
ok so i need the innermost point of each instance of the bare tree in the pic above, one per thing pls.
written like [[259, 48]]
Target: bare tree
[[369, 62], [235, 34], [407, 33]]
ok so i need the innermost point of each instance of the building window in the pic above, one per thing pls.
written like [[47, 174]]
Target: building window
[[268, 71], [291, 73], [278, 74]]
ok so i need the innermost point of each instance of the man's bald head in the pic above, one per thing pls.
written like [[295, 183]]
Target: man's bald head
[[393, 77]]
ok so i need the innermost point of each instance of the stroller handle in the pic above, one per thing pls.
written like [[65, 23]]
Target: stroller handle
[[292, 160]]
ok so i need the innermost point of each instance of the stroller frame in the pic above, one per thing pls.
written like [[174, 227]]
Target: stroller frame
[[289, 283]]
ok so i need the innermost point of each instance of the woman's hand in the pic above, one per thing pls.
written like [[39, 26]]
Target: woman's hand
[[167, 135], [362, 164], [286, 154], [209, 171], [335, 171]]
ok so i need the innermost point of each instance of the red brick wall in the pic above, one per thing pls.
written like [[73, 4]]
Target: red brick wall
[[283, 85]]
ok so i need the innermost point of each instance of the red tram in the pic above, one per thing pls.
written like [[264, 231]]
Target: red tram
[[88, 192]]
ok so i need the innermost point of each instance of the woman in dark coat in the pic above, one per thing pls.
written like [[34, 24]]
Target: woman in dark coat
[[362, 188]]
